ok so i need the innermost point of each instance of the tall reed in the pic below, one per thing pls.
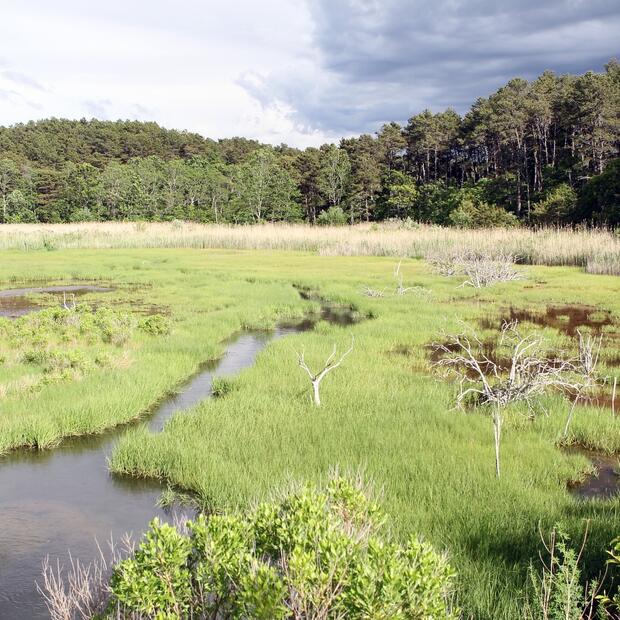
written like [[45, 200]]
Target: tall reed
[[596, 250]]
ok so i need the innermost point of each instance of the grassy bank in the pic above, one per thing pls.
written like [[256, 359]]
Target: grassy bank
[[596, 250], [202, 312], [385, 411]]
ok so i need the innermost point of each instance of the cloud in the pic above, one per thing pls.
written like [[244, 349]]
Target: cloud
[[21, 79], [382, 60], [296, 71], [99, 108]]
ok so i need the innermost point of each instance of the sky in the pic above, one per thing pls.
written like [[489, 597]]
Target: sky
[[297, 71]]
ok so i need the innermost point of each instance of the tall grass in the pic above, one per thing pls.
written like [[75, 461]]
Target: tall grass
[[600, 249], [384, 410]]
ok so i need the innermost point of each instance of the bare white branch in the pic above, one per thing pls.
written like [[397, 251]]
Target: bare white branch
[[371, 292], [66, 303], [524, 374], [480, 269], [330, 364]]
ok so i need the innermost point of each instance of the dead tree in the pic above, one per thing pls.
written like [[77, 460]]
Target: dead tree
[[330, 364], [486, 381], [400, 289], [589, 353], [66, 304], [480, 269], [398, 276], [485, 270], [443, 264]]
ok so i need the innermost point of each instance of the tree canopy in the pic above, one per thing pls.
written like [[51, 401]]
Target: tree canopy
[[539, 152]]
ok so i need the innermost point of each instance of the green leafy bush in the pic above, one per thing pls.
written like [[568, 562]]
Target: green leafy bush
[[115, 327], [155, 325], [558, 206], [471, 214], [315, 553], [558, 591], [156, 581], [334, 216]]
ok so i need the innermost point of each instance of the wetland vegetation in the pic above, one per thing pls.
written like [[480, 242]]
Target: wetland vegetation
[[386, 411]]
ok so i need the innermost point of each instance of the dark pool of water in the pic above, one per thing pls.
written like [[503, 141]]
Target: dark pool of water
[[604, 483], [566, 318], [16, 302], [65, 499]]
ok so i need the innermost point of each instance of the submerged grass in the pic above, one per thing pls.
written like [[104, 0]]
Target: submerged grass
[[385, 410]]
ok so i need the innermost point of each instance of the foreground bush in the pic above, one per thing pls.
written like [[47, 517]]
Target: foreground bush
[[558, 591], [314, 554]]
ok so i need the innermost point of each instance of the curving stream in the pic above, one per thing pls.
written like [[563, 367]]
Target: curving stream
[[65, 499]]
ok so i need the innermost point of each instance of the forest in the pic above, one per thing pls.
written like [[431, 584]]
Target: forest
[[541, 152]]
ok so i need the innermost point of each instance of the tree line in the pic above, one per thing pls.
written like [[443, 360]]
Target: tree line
[[538, 152]]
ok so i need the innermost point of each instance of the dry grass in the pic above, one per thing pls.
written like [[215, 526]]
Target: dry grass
[[604, 264], [599, 250]]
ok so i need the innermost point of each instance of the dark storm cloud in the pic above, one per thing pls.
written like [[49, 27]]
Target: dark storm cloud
[[381, 60]]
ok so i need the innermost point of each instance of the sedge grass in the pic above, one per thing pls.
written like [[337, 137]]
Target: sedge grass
[[385, 411]]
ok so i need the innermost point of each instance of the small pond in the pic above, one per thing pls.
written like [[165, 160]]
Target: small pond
[[17, 301]]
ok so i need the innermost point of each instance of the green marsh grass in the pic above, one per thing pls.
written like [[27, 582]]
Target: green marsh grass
[[385, 411]]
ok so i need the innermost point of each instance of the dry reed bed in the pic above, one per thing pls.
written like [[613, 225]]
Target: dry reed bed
[[596, 250]]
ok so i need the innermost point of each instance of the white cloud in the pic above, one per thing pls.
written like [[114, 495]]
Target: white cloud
[[295, 71], [178, 63]]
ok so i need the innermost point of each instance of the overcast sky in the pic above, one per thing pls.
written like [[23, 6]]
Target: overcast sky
[[296, 71]]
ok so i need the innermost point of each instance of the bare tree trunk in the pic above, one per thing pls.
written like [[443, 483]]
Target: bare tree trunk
[[330, 364], [569, 418], [315, 390], [497, 431], [519, 192]]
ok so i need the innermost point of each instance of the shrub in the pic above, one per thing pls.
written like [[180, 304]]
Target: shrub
[[558, 207], [155, 325], [115, 327], [334, 216], [557, 589], [599, 199], [470, 214], [315, 553], [611, 601], [156, 581]]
